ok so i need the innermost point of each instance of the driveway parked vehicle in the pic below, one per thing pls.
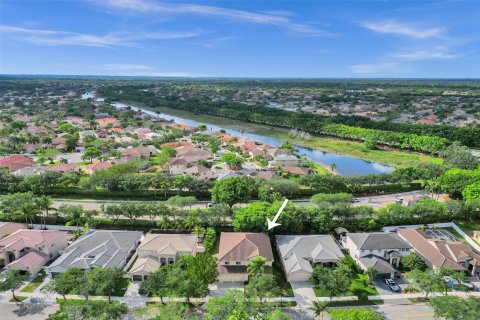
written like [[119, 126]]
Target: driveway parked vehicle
[[468, 284], [392, 285], [452, 283]]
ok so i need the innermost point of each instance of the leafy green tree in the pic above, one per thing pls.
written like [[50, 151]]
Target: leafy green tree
[[173, 311], [81, 309], [65, 282], [234, 190], [210, 238], [91, 153], [263, 286], [333, 282], [471, 191], [12, 280], [456, 308], [156, 283], [234, 162], [105, 280], [318, 307], [426, 281], [460, 156], [413, 262]]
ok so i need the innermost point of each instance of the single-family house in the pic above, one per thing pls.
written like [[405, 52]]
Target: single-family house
[[16, 162], [284, 161], [29, 250], [7, 228], [437, 253], [98, 249], [300, 254], [63, 168], [236, 250], [157, 250], [380, 250], [140, 152], [97, 166]]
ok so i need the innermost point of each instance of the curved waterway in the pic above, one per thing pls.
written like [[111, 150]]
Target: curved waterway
[[345, 165]]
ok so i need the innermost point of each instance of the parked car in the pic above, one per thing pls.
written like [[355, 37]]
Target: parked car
[[452, 283], [399, 199], [468, 284], [392, 285], [357, 200]]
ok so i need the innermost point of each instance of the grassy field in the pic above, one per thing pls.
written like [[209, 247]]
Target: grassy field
[[395, 158], [35, 282], [359, 287]]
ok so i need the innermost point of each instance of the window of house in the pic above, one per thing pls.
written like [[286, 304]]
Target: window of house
[[227, 263], [238, 263]]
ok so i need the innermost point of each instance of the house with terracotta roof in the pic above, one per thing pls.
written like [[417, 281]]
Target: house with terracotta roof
[[97, 166], [157, 250], [29, 250], [380, 250], [437, 253], [140, 152], [7, 228], [236, 250], [300, 254], [63, 168], [201, 172], [108, 121], [16, 162]]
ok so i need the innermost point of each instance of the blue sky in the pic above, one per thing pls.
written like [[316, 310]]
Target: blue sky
[[399, 39]]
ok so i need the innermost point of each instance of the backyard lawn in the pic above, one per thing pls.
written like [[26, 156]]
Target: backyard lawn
[[359, 287], [35, 282]]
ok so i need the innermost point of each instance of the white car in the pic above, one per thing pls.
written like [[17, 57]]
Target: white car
[[468, 284], [392, 285]]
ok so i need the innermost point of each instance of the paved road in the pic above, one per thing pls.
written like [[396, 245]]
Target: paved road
[[406, 312], [24, 311]]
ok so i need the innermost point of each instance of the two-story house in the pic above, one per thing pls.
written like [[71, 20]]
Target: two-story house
[[157, 250], [284, 160], [30, 250], [236, 250], [380, 250]]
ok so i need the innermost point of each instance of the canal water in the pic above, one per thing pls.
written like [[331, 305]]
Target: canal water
[[345, 165]]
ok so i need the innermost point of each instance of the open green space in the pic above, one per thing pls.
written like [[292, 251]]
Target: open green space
[[395, 158], [359, 287], [35, 282]]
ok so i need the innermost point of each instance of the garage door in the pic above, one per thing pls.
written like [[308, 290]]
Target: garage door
[[137, 278]]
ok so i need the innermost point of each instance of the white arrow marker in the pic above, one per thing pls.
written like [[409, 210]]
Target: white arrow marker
[[273, 224]]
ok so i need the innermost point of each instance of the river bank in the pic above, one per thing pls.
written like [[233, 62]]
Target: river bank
[[357, 150]]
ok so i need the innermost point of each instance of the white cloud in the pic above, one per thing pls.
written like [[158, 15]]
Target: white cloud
[[280, 19], [404, 29], [58, 38], [438, 52], [122, 67], [379, 68]]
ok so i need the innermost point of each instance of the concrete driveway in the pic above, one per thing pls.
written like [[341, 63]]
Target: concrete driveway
[[25, 311], [303, 292], [218, 289], [383, 289]]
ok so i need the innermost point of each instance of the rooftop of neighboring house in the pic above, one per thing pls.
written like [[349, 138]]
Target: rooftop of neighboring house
[[440, 253], [168, 244], [378, 241], [23, 238], [98, 248], [7, 228]]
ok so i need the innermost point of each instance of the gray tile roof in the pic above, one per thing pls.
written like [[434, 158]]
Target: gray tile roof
[[378, 241], [382, 266], [98, 248], [298, 252]]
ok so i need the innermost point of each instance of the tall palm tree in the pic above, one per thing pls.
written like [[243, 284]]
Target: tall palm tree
[[333, 166], [45, 204], [256, 266]]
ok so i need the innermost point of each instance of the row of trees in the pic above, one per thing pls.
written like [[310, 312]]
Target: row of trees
[[469, 136]]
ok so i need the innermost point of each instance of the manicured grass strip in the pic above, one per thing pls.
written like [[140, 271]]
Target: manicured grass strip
[[353, 303], [18, 299], [35, 282], [359, 287]]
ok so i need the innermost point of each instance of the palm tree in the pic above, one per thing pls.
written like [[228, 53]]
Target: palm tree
[[333, 166], [45, 204], [371, 274], [318, 307], [256, 266]]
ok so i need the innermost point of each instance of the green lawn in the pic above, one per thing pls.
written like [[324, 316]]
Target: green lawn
[[353, 303], [359, 287], [18, 299], [35, 282], [395, 158], [468, 227]]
